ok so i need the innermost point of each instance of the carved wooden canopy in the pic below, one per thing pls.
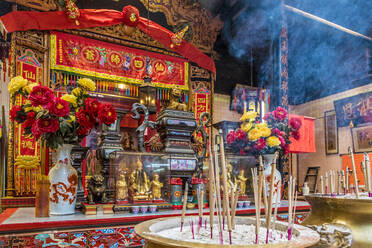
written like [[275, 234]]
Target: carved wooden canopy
[[203, 27]]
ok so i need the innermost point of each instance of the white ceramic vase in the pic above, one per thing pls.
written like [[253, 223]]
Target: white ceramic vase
[[63, 183], [267, 160]]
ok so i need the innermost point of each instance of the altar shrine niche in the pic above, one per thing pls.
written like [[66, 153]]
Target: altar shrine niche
[[102, 53]]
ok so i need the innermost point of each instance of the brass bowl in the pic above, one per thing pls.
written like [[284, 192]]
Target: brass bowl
[[354, 213], [305, 237]]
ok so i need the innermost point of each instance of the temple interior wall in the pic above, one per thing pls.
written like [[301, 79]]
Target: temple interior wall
[[316, 110]]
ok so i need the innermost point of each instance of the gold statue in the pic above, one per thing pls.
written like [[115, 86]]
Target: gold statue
[[231, 178], [174, 102], [241, 182], [156, 187], [121, 188], [139, 183]]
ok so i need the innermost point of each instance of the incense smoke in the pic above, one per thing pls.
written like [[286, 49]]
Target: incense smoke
[[322, 60]]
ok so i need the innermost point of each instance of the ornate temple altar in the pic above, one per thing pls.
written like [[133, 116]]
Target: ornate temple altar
[[138, 167], [114, 57]]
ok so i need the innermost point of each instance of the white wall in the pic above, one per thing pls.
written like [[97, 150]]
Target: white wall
[[316, 110]]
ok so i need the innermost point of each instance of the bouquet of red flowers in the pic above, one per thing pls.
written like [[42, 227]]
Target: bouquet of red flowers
[[255, 137], [58, 120]]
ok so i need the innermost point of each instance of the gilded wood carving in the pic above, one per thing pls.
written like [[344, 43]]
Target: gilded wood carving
[[204, 27], [198, 72], [45, 5], [21, 42]]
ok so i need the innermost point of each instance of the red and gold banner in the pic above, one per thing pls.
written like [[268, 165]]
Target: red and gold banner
[[201, 100], [109, 61], [26, 149], [201, 103]]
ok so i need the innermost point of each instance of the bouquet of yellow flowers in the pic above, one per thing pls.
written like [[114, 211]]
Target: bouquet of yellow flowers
[[255, 137], [58, 120]]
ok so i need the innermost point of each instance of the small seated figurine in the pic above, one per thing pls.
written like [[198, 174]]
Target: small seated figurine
[[96, 190], [156, 187], [241, 182], [139, 183], [121, 188]]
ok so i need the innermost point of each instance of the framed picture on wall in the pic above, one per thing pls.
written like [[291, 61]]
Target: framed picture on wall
[[330, 132], [362, 138]]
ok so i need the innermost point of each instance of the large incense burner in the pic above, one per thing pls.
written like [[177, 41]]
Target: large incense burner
[[347, 210], [153, 232]]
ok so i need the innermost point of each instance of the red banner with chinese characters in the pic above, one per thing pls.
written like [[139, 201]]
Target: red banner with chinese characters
[[26, 148], [99, 59], [201, 103], [30, 69]]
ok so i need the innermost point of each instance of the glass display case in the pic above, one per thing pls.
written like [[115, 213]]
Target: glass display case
[[140, 177], [155, 179], [239, 174]]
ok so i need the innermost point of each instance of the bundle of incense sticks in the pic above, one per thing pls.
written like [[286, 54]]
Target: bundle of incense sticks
[[354, 172], [368, 169], [184, 204], [291, 204]]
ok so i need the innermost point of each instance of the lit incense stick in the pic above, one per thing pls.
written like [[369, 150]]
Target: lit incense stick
[[277, 203], [184, 204], [354, 172], [225, 187], [271, 192], [368, 168], [218, 190]]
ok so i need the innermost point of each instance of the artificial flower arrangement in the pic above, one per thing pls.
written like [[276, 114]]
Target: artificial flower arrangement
[[258, 138], [58, 120]]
